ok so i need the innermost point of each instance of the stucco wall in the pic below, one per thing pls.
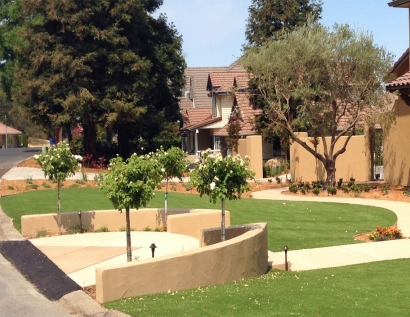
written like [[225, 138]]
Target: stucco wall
[[396, 148], [192, 224], [355, 162], [241, 257], [254, 150]]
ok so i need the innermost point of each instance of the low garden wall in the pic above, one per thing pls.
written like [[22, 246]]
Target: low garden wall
[[183, 221], [242, 256]]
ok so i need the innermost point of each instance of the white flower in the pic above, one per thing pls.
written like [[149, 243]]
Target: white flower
[[216, 178], [36, 156], [212, 186], [247, 157], [230, 171], [162, 169]]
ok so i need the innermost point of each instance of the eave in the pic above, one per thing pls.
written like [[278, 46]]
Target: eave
[[400, 4]]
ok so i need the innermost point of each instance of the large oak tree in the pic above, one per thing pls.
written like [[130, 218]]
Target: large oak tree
[[100, 62]]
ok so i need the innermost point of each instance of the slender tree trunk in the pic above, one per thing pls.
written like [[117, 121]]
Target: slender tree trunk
[[128, 232], [166, 202], [123, 141], [90, 135], [67, 128], [58, 207], [223, 221], [330, 167]]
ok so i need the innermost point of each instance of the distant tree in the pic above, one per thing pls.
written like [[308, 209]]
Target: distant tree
[[337, 75], [100, 63], [57, 164], [269, 19], [174, 163]]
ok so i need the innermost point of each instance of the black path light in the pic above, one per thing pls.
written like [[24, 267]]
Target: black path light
[[153, 247], [81, 223], [286, 257]]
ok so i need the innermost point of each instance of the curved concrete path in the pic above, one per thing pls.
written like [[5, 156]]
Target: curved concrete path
[[309, 259]]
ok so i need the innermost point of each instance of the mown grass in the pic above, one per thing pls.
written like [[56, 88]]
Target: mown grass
[[298, 225], [364, 290]]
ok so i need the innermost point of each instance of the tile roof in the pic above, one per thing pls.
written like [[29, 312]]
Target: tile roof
[[226, 81], [197, 117], [10, 130], [404, 59], [247, 116], [399, 83], [196, 78]]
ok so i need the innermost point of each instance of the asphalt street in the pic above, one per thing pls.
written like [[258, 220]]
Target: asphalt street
[[11, 156]]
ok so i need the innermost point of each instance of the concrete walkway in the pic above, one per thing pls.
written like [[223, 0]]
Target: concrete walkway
[[309, 259]]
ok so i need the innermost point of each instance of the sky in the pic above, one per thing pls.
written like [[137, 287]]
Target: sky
[[213, 31]]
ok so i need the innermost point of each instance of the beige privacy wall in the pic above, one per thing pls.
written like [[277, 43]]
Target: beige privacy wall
[[355, 162], [183, 221], [241, 257], [396, 147], [252, 146]]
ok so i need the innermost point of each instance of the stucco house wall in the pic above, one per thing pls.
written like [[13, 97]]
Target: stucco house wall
[[396, 149]]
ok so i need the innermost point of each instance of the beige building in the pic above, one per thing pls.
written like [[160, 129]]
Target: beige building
[[6, 131]]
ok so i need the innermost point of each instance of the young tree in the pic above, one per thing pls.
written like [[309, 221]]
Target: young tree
[[221, 178], [269, 19], [131, 184], [174, 163], [100, 63], [337, 76], [57, 164]]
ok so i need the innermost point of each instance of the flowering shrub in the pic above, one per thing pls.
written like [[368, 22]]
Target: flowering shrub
[[174, 164], [131, 184], [57, 164], [221, 178], [384, 233]]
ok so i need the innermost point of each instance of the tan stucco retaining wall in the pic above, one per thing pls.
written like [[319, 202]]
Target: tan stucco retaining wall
[[252, 146], [194, 221], [396, 148], [213, 235], [241, 257], [355, 162]]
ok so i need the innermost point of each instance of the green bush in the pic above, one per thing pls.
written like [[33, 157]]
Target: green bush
[[340, 182], [10, 187], [45, 185], [41, 233], [293, 188], [332, 190], [366, 188], [316, 190], [385, 189], [278, 180], [102, 229]]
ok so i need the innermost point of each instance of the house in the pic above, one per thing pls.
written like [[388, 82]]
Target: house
[[396, 149], [212, 96], [6, 131], [213, 99]]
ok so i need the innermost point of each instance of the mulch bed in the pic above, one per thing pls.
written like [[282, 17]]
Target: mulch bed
[[39, 270]]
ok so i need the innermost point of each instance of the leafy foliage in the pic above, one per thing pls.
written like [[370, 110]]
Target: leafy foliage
[[58, 163], [221, 177], [332, 75], [268, 19], [131, 183]]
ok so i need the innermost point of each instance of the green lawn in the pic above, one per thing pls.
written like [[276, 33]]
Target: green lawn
[[295, 224], [366, 290]]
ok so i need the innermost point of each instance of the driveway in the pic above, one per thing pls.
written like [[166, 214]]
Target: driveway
[[11, 156]]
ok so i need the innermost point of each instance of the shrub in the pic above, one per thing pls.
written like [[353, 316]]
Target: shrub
[[41, 233], [384, 233], [31, 186], [278, 180], [385, 189], [340, 182], [10, 187], [45, 185], [80, 181], [366, 188], [304, 189], [147, 229], [76, 229], [293, 188], [345, 188], [406, 192], [29, 180], [332, 190], [316, 190], [188, 186], [102, 229]]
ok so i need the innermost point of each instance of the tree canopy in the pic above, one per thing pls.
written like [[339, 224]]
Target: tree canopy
[[268, 19], [337, 76], [105, 63]]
